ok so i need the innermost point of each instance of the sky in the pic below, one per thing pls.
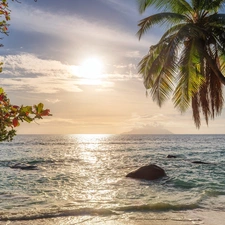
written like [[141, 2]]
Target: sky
[[80, 59]]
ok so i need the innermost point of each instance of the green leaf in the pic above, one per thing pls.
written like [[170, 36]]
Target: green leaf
[[26, 109], [40, 108], [1, 90], [28, 119]]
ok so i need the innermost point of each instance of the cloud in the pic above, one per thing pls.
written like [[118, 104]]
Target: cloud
[[28, 65], [123, 72], [57, 120], [53, 101], [129, 10], [72, 27], [152, 120], [33, 74], [133, 54]]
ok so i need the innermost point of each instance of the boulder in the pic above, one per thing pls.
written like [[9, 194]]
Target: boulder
[[171, 156], [150, 172]]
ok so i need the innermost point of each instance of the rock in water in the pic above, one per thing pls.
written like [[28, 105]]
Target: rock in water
[[171, 156], [200, 162], [23, 166], [150, 172]]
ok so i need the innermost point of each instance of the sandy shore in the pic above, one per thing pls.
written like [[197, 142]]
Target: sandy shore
[[169, 218]]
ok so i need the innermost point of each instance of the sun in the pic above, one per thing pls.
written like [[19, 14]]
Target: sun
[[91, 68], [89, 72]]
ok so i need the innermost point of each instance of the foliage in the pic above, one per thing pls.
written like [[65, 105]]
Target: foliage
[[11, 115], [188, 61]]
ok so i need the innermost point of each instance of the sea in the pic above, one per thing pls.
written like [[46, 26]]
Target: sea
[[81, 179]]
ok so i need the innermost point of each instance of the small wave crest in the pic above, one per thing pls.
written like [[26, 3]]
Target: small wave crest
[[37, 162], [213, 193], [61, 213], [157, 207]]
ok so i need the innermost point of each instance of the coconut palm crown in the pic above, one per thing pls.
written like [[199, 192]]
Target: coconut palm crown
[[188, 62]]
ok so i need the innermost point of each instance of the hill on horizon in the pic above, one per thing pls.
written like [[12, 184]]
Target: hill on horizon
[[149, 130]]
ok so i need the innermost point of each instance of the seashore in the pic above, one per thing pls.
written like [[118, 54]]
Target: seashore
[[189, 217], [64, 190]]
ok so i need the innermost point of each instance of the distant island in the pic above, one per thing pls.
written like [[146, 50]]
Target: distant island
[[149, 130]]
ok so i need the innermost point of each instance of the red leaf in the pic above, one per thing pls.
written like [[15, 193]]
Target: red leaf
[[45, 112], [15, 122]]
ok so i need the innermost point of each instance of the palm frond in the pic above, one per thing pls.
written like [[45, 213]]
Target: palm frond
[[158, 69], [210, 98], [144, 66], [190, 78], [216, 94], [178, 6], [217, 20], [163, 86], [151, 64], [172, 30], [212, 6], [204, 99], [143, 4], [222, 62], [218, 34], [164, 82], [196, 110], [159, 18]]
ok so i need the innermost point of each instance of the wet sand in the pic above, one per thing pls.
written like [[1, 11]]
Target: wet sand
[[169, 218]]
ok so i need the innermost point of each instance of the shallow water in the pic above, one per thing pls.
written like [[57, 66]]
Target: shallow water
[[84, 176]]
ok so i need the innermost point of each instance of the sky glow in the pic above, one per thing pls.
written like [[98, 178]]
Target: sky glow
[[80, 59]]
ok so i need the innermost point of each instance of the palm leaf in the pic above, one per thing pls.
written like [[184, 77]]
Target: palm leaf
[[151, 64], [212, 6], [222, 62], [178, 6], [159, 18], [172, 30], [164, 82], [190, 78], [196, 110], [216, 20]]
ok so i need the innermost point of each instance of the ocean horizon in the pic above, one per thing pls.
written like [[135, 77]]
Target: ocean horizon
[[81, 179]]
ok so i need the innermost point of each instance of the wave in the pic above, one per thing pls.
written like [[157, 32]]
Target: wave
[[158, 207], [212, 193], [39, 161], [61, 213]]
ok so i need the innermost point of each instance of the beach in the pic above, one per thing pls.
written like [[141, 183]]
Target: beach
[[181, 218], [81, 179]]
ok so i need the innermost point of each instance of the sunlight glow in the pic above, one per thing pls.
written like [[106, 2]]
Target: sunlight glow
[[94, 138], [89, 144], [90, 71], [91, 68]]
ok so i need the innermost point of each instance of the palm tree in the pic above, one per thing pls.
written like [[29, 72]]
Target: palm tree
[[188, 62]]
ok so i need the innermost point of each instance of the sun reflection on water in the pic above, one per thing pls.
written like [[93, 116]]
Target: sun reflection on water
[[88, 145], [92, 137], [89, 177]]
